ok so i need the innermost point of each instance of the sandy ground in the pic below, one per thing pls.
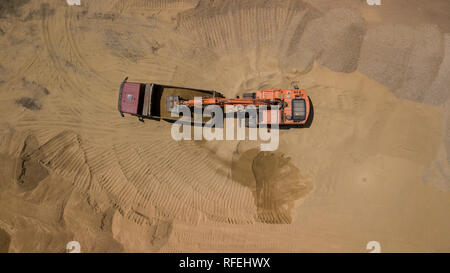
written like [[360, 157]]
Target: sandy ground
[[374, 166]]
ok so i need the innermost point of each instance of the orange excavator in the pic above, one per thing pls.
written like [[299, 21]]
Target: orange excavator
[[293, 106]]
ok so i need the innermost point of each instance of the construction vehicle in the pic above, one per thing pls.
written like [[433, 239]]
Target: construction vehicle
[[156, 101]]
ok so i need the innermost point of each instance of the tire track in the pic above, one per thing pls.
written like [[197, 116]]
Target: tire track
[[68, 19], [153, 4], [72, 82]]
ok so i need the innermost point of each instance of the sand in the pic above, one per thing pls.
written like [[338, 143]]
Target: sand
[[373, 166]]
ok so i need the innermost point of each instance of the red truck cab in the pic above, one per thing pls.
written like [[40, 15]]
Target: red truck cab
[[129, 98]]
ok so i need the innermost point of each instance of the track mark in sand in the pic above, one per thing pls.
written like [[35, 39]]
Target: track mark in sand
[[275, 182], [153, 4], [124, 45], [244, 25], [50, 44], [64, 155], [22, 71], [58, 43], [145, 181], [150, 175], [75, 49], [10, 79]]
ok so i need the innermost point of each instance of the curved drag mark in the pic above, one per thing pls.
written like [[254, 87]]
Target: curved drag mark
[[68, 19], [82, 91], [146, 181], [153, 4], [22, 71]]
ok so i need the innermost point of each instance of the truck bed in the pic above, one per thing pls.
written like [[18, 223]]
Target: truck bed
[[148, 100]]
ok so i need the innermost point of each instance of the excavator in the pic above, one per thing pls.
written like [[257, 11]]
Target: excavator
[[156, 101]]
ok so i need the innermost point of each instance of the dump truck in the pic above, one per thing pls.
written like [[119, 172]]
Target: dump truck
[[156, 101]]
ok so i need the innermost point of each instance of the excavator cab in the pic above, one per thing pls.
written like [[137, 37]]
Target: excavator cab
[[298, 110]]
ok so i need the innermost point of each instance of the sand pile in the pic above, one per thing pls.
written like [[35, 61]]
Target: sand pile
[[73, 169], [405, 59], [333, 40]]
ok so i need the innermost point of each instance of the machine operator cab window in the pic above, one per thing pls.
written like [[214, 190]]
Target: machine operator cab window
[[298, 109]]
